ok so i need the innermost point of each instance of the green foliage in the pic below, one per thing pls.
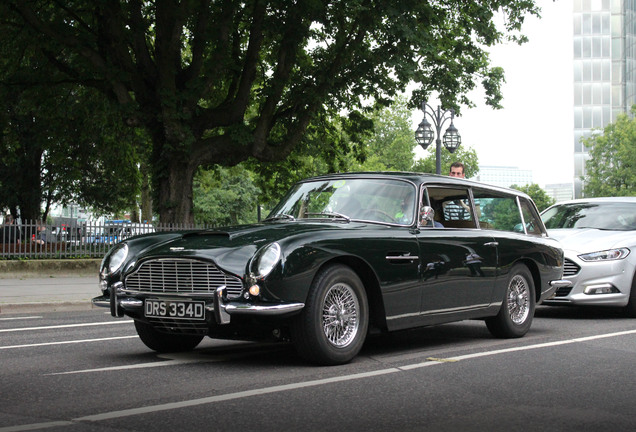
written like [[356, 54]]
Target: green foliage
[[538, 195], [467, 156], [248, 80], [611, 168], [390, 146], [225, 196]]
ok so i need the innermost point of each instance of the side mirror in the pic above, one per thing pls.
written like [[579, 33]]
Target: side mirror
[[427, 214]]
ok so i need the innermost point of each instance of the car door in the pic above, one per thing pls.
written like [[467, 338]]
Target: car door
[[458, 264]]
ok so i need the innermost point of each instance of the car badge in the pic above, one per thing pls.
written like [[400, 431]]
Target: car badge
[[176, 249]]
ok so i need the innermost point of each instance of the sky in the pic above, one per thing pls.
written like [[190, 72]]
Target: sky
[[534, 129]]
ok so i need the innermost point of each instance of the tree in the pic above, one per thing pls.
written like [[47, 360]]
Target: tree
[[220, 82], [467, 156], [389, 146], [611, 168], [225, 196], [538, 195], [60, 142]]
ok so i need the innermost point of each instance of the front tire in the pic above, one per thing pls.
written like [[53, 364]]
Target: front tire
[[332, 327], [166, 342], [515, 316]]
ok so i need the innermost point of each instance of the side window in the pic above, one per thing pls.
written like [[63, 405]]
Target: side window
[[531, 218], [452, 207], [497, 211]]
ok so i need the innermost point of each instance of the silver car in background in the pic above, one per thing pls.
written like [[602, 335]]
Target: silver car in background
[[598, 236]]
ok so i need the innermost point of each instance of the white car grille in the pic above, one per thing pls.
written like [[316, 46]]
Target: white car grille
[[181, 276], [570, 268]]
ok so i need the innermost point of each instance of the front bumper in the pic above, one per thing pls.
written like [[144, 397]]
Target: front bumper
[[596, 283], [120, 303]]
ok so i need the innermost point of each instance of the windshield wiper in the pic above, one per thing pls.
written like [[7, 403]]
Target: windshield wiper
[[279, 216], [331, 215]]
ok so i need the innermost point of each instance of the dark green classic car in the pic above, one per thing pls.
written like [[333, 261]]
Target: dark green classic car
[[341, 256]]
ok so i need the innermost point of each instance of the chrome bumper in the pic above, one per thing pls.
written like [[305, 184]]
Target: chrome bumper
[[554, 286], [222, 309]]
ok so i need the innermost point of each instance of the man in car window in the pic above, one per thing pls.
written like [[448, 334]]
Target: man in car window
[[457, 170]]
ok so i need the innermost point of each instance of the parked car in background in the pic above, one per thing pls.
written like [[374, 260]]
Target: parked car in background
[[341, 256], [598, 236]]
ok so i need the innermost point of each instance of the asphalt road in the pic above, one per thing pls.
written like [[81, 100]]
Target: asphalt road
[[87, 371]]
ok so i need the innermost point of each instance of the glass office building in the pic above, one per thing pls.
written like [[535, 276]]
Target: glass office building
[[604, 69]]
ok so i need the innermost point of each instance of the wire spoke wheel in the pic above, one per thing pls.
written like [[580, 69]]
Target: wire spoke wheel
[[518, 299], [340, 315], [333, 324], [517, 309]]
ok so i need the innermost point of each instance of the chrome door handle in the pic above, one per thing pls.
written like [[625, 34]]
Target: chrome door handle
[[492, 244]]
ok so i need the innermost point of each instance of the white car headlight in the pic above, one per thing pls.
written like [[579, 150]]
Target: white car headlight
[[606, 255], [265, 260], [116, 257]]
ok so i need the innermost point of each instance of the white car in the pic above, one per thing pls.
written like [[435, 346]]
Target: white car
[[598, 236]]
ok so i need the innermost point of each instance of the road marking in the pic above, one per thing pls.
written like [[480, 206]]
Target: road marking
[[20, 318], [174, 359], [66, 342], [294, 386], [65, 326]]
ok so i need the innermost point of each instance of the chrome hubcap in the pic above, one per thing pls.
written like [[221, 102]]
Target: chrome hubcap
[[518, 300], [340, 315]]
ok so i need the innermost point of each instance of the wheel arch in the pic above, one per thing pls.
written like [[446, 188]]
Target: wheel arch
[[536, 276], [377, 316]]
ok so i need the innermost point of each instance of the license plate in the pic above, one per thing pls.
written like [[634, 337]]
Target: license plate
[[177, 309]]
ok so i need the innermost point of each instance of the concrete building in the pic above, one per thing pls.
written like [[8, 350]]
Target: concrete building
[[559, 191], [604, 69], [505, 176]]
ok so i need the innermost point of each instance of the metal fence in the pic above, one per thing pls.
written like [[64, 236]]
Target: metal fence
[[30, 240]]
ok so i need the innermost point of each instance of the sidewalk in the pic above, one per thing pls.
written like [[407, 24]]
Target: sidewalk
[[48, 289]]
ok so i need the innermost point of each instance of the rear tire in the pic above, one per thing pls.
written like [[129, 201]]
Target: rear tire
[[332, 327], [166, 342], [517, 310]]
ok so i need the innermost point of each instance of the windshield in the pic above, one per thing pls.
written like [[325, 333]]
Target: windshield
[[599, 215], [374, 200]]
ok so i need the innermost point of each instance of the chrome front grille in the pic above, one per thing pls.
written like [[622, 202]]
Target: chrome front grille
[[570, 268], [181, 276]]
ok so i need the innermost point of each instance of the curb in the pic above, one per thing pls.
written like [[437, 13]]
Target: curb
[[24, 269], [19, 308]]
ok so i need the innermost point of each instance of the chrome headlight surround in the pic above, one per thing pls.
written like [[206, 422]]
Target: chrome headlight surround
[[115, 259], [606, 255], [264, 260]]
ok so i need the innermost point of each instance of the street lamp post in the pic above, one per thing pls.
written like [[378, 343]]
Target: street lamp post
[[424, 133]]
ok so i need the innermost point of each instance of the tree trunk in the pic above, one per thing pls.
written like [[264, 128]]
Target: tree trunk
[[175, 193], [146, 197]]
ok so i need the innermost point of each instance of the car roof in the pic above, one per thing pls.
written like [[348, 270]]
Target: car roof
[[620, 199], [417, 178]]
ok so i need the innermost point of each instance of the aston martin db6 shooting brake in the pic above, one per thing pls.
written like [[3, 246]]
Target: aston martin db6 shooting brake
[[340, 257]]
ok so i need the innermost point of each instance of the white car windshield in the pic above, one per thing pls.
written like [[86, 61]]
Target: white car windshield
[[364, 199], [600, 215]]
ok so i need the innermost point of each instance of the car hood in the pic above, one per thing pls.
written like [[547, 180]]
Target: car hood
[[231, 248], [590, 239]]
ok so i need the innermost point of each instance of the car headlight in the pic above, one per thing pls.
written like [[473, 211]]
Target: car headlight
[[116, 258], [606, 255], [265, 260]]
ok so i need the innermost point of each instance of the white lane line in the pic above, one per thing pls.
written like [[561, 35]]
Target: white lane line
[[173, 359], [135, 366], [287, 387], [230, 396], [66, 342], [20, 318], [65, 326]]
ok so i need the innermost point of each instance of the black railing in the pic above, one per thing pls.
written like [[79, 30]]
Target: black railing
[[31, 240]]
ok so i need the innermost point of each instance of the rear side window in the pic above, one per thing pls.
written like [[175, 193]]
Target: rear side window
[[452, 207], [497, 211]]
